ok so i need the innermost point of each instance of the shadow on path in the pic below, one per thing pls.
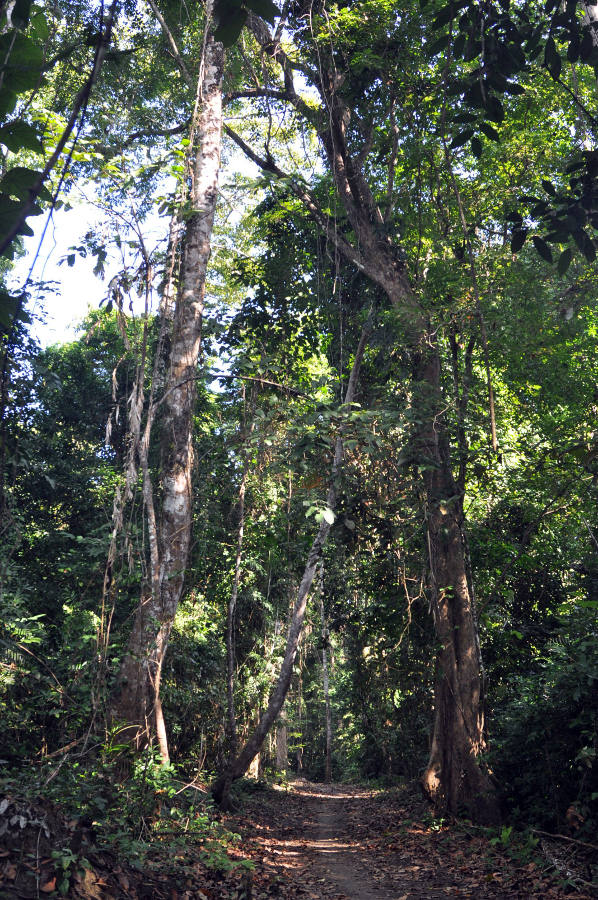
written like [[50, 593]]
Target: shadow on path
[[339, 851]]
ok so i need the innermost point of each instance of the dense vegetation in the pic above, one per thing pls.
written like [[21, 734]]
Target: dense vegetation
[[378, 398]]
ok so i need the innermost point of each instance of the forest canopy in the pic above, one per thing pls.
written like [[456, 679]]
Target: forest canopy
[[314, 489]]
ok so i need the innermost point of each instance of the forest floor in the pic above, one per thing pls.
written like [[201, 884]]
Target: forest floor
[[323, 842]]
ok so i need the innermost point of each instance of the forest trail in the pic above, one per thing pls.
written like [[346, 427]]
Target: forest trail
[[300, 840], [339, 853], [341, 842]]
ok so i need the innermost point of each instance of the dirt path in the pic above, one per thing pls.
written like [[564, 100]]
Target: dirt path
[[338, 852], [339, 842]]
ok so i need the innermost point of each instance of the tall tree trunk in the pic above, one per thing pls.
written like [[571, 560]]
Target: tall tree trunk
[[453, 778], [299, 728], [137, 703], [231, 719], [238, 766], [282, 749]]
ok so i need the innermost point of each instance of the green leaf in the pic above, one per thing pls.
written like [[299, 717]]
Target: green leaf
[[518, 239], [264, 8], [586, 48], [39, 26], [230, 27], [552, 58], [476, 147], [24, 64], [460, 139], [444, 16], [9, 212], [436, 46], [564, 261], [494, 109], [585, 244], [490, 132], [514, 89], [549, 187], [9, 307], [543, 249], [328, 515], [589, 248], [459, 45], [573, 48], [20, 136], [20, 13], [19, 181], [8, 101]]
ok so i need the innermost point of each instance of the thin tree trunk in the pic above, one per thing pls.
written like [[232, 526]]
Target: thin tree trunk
[[231, 720], [238, 766], [137, 703], [299, 754], [282, 750], [325, 637]]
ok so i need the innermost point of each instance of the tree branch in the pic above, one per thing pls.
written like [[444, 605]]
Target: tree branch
[[79, 106], [256, 93], [294, 392], [176, 54], [135, 135], [318, 215]]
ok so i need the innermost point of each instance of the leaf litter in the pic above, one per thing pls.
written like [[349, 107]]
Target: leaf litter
[[303, 840]]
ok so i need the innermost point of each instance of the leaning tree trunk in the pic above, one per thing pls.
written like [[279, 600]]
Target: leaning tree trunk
[[137, 703], [237, 767]]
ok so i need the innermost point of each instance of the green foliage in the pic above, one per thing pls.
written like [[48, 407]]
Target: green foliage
[[231, 16], [132, 817], [551, 722]]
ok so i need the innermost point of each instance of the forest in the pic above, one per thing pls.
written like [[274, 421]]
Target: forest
[[299, 535]]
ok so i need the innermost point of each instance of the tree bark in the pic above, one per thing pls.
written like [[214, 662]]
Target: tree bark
[[282, 751], [137, 703], [453, 778], [238, 766]]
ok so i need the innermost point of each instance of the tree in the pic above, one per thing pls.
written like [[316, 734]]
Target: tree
[[138, 702], [405, 161], [238, 764], [343, 121]]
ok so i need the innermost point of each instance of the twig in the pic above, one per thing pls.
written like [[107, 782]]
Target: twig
[[195, 787], [283, 387], [64, 749], [564, 837]]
